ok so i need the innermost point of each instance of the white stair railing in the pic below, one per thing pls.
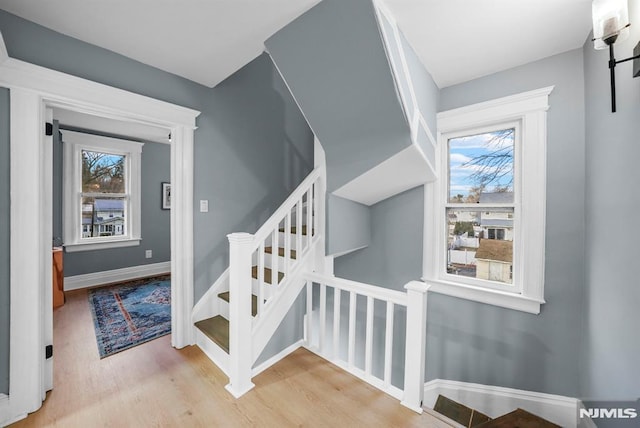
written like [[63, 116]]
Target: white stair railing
[[295, 227], [324, 335]]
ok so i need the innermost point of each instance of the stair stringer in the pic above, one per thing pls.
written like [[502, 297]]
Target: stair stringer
[[263, 328]]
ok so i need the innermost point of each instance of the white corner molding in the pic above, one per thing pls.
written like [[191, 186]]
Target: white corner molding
[[496, 401], [33, 91], [94, 279], [527, 113]]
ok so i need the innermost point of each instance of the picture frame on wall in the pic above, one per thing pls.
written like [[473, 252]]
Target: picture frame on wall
[[166, 196]]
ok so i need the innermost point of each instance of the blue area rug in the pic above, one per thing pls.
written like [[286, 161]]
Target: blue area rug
[[131, 313]]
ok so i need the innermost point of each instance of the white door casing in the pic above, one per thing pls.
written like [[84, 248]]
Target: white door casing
[[33, 89]]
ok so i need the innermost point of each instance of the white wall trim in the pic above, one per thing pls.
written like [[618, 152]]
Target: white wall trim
[[94, 279], [75, 143], [495, 400], [527, 113], [33, 89], [276, 358], [7, 416], [500, 109]]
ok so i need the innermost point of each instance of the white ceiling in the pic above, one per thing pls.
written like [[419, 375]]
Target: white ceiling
[[460, 40], [208, 40]]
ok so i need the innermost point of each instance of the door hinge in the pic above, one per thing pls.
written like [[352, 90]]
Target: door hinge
[[48, 351], [48, 129]]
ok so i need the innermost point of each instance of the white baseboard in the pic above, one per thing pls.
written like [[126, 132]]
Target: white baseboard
[[495, 401], [7, 413], [279, 356], [93, 279]]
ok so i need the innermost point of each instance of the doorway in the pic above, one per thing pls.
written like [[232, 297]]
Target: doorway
[[34, 90]]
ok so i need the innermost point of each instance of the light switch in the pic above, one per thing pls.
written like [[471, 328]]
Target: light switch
[[204, 206]]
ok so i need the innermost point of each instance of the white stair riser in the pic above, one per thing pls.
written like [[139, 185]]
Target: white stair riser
[[294, 239], [255, 288], [223, 307], [268, 261], [213, 351]]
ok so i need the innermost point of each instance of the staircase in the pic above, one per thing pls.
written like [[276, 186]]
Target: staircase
[[377, 144], [216, 328], [270, 269]]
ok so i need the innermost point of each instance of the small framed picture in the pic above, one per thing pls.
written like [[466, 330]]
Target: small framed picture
[[166, 196]]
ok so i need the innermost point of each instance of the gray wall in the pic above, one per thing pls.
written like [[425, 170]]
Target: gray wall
[[333, 59], [348, 225], [610, 368], [260, 149], [4, 240], [485, 344], [394, 255], [252, 145], [474, 342], [156, 222]]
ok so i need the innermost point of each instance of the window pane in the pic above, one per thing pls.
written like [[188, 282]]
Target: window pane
[[481, 168], [102, 172], [103, 217], [480, 243]]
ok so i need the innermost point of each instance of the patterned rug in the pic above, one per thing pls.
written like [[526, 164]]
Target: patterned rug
[[131, 313]]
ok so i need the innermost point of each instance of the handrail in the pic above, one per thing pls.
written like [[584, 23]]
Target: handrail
[[363, 289], [273, 221]]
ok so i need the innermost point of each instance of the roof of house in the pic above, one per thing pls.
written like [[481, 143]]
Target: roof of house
[[109, 205], [496, 197], [501, 222], [494, 249]]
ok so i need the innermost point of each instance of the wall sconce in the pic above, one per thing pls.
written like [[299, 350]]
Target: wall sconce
[[611, 24]]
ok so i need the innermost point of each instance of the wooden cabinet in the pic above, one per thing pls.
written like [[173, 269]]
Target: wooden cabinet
[[58, 278]]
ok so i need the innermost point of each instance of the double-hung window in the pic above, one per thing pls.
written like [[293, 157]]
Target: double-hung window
[[101, 192], [484, 216]]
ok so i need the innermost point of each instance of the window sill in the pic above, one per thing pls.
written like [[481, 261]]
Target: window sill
[[503, 299], [90, 246]]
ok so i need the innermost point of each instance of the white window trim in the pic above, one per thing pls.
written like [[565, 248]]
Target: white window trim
[[74, 144], [529, 109]]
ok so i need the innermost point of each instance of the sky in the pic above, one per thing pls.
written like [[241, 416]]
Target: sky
[[464, 149]]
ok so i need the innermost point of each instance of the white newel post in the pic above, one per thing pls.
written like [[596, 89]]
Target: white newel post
[[240, 319], [415, 346]]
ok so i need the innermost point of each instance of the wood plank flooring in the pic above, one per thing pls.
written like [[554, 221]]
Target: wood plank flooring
[[155, 385]]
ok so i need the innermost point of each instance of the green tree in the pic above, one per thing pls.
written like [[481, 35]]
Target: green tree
[[463, 226]]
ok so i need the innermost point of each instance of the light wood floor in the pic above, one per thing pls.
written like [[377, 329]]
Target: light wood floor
[[155, 385]]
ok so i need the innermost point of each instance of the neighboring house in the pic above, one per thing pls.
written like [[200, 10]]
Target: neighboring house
[[105, 217], [496, 224], [494, 260]]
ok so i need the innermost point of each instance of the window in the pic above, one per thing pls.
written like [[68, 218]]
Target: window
[[101, 192], [484, 221]]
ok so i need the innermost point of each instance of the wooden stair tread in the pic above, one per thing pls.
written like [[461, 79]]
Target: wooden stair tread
[[254, 301], [518, 418], [268, 250], [267, 274], [304, 230], [216, 329]]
